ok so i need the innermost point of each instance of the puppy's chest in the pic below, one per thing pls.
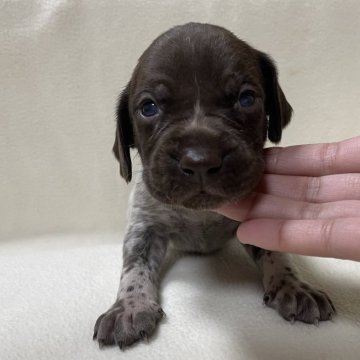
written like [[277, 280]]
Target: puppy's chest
[[204, 232], [187, 230]]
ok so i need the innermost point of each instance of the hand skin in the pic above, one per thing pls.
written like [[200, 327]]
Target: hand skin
[[308, 201]]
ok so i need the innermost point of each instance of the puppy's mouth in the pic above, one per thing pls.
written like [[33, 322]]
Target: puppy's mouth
[[209, 200], [203, 201]]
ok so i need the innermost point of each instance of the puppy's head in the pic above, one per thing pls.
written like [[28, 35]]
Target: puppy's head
[[198, 108]]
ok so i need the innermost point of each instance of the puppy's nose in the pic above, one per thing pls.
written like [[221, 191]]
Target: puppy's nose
[[200, 162]]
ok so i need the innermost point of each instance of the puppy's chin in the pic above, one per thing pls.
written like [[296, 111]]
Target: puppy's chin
[[203, 201], [196, 202], [200, 201]]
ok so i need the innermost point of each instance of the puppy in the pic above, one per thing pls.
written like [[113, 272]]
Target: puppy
[[198, 108]]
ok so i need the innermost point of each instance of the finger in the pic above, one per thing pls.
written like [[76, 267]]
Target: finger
[[313, 189], [338, 238], [314, 159], [273, 207], [239, 210]]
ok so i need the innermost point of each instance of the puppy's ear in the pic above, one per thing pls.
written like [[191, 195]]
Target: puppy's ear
[[278, 109], [124, 138]]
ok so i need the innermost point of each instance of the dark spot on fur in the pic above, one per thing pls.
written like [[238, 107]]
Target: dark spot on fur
[[291, 275], [130, 288], [287, 268], [140, 286], [151, 278], [256, 252], [128, 269], [119, 303]]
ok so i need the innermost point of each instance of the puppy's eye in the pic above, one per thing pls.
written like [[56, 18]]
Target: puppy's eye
[[149, 108], [247, 99]]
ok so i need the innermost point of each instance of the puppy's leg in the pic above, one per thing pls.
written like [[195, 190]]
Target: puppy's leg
[[286, 292], [136, 311]]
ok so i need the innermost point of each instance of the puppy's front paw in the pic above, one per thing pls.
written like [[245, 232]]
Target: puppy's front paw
[[296, 300], [126, 322]]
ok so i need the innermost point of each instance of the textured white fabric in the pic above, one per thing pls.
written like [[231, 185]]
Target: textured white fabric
[[53, 289]]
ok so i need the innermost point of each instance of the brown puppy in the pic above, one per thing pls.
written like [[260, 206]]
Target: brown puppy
[[198, 108]]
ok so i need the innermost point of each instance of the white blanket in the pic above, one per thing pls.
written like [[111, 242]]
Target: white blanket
[[53, 289]]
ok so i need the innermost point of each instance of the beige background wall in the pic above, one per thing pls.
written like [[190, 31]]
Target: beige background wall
[[63, 63]]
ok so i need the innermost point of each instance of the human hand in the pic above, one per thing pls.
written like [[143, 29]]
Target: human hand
[[308, 201]]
